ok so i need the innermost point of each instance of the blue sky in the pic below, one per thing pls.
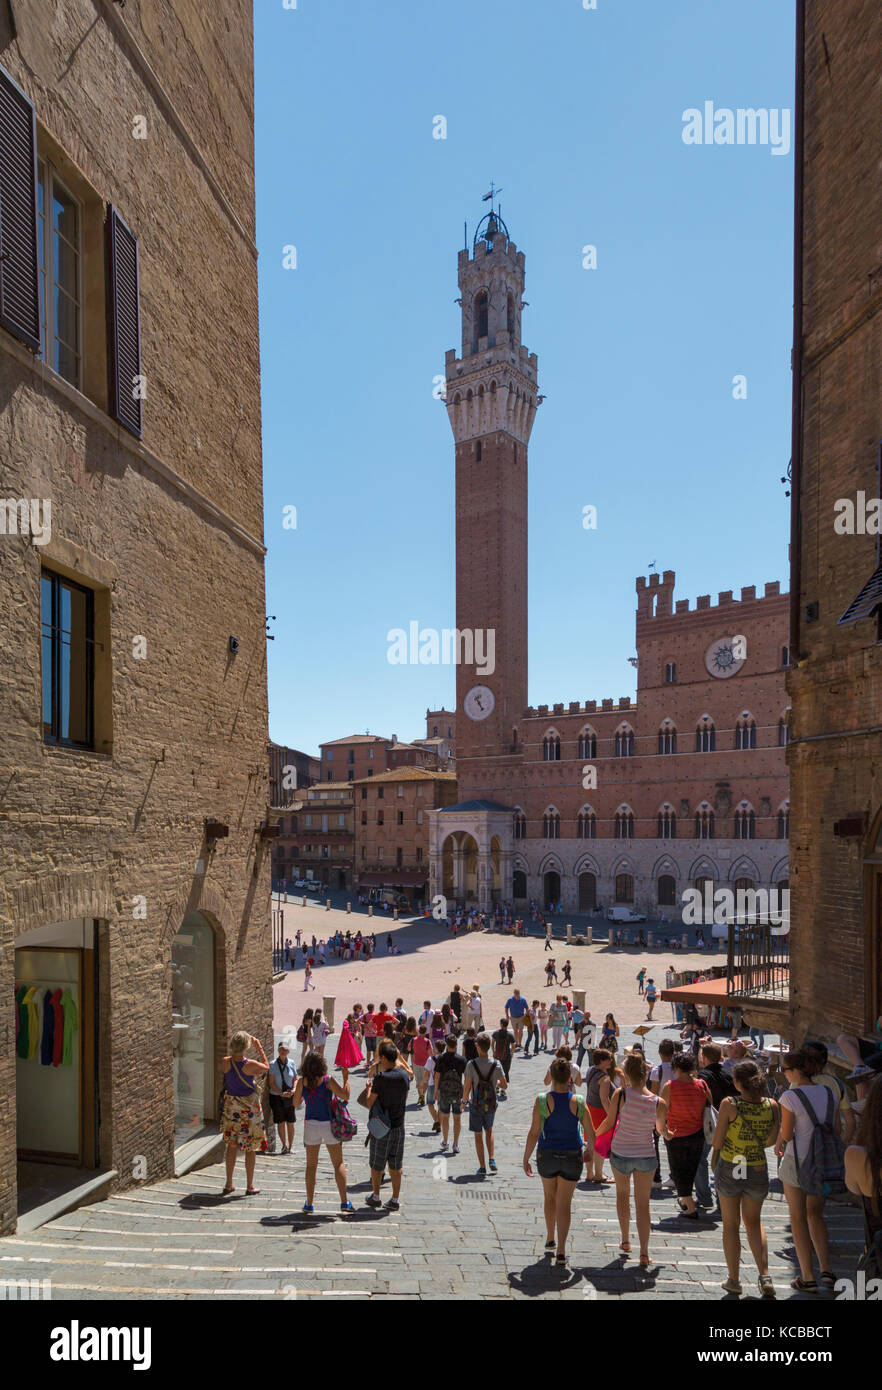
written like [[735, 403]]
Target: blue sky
[[578, 116]]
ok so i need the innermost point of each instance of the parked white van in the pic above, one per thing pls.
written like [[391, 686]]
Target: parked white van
[[624, 914]]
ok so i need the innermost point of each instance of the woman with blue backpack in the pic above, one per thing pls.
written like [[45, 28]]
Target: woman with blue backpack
[[326, 1122], [812, 1165], [560, 1119]]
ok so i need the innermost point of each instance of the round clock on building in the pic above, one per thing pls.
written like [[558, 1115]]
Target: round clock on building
[[479, 703], [726, 656]]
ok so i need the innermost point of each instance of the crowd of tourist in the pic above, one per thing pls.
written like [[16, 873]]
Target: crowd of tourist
[[718, 1116]]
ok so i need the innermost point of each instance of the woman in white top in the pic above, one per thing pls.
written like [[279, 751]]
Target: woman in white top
[[567, 1054], [475, 1005], [542, 1021], [806, 1210], [319, 1033]]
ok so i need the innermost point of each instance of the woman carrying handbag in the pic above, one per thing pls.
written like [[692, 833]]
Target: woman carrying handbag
[[241, 1112]]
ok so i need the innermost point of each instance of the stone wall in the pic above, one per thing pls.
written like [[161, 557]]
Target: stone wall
[[168, 534]]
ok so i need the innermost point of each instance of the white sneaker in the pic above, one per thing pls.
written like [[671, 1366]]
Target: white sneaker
[[455, 1149]]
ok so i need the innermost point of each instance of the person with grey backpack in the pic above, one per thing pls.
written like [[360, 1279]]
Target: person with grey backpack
[[812, 1166]]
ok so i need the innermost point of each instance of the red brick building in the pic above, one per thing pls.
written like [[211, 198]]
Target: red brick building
[[836, 679], [366, 755], [392, 827], [610, 801]]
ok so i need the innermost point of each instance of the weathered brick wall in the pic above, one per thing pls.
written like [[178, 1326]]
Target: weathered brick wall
[[81, 834], [836, 689]]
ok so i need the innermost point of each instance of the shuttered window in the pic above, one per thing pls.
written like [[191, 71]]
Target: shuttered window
[[124, 324], [19, 285]]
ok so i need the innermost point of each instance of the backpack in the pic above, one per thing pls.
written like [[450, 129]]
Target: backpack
[[483, 1099], [301, 1034], [450, 1089], [343, 1127], [543, 1109], [822, 1171]]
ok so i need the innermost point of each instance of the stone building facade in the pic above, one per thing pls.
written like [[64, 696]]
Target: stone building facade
[[835, 682], [392, 823], [316, 839], [134, 882], [593, 803]]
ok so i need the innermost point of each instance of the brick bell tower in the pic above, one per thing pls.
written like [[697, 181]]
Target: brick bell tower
[[491, 403]]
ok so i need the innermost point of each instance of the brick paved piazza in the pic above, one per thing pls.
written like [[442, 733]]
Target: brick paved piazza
[[455, 1235]]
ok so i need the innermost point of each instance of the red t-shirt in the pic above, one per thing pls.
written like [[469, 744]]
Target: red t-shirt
[[422, 1050], [380, 1021]]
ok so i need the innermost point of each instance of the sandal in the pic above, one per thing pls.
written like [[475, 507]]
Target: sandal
[[646, 1260], [828, 1280], [560, 1260], [227, 1190], [766, 1287], [550, 1245], [251, 1191], [804, 1285], [626, 1246]]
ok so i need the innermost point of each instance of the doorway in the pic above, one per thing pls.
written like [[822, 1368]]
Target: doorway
[[587, 892], [552, 888]]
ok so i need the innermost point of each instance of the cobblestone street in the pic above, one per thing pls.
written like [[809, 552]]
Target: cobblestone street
[[455, 1235]]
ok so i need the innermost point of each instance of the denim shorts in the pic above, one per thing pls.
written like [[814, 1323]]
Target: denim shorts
[[450, 1107], [626, 1166], [566, 1165], [755, 1183], [478, 1123]]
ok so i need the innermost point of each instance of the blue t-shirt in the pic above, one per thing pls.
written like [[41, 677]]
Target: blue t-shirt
[[516, 1007]]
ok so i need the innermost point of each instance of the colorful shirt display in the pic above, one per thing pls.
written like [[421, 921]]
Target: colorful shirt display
[[46, 1025]]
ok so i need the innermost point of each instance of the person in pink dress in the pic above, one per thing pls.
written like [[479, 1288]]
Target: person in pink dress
[[349, 1053]]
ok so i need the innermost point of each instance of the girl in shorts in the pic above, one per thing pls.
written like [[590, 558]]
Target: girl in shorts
[[560, 1118], [747, 1125], [632, 1118]]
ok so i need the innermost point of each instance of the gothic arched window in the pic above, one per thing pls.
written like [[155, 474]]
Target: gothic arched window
[[745, 732], [586, 825], [704, 823], [551, 748], [705, 737], [625, 742], [667, 824], [624, 825], [587, 744], [745, 824], [667, 738], [482, 306], [551, 825], [519, 825]]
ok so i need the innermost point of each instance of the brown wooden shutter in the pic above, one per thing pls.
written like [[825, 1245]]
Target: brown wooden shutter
[[19, 267], [123, 323]]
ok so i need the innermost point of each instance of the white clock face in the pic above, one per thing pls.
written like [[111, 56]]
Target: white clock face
[[726, 656], [479, 703]]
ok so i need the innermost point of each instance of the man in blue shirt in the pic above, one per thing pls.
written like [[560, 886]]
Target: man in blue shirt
[[515, 1010]]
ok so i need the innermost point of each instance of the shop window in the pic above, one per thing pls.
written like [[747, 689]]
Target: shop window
[[193, 1024]]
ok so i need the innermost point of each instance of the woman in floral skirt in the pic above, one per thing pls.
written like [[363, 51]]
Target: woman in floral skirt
[[242, 1113]]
